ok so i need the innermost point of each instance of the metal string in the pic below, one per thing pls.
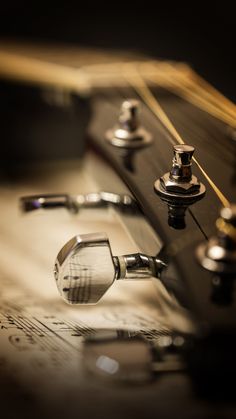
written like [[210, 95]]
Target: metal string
[[147, 96]]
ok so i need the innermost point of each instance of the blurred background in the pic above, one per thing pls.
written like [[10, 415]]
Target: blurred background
[[35, 129], [204, 38], [32, 129]]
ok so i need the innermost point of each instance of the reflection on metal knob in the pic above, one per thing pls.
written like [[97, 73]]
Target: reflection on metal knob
[[120, 358], [123, 356], [218, 255], [85, 268], [74, 203], [128, 133], [179, 185]]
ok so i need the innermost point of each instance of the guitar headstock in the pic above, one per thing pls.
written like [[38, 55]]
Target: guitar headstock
[[169, 135], [187, 200], [182, 197]]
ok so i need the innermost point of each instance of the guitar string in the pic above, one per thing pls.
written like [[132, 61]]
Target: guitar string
[[192, 92], [142, 89], [203, 88], [27, 68], [149, 99], [124, 94], [212, 92], [196, 99], [195, 95], [198, 92]]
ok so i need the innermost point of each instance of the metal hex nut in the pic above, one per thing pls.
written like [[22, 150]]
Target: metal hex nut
[[180, 187]]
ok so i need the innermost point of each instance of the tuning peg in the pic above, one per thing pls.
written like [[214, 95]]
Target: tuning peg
[[85, 268], [74, 203], [218, 255], [123, 356], [128, 133], [180, 185]]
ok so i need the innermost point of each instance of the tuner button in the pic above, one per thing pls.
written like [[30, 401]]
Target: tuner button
[[125, 356], [179, 185], [128, 118], [85, 268], [128, 133], [219, 254], [74, 203]]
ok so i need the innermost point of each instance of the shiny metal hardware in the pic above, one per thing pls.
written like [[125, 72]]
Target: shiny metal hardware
[[74, 203], [218, 255], [85, 268], [180, 185], [123, 356], [128, 133]]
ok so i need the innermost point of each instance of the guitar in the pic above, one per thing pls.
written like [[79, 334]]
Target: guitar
[[170, 137]]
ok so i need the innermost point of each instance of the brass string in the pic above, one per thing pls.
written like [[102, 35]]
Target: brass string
[[13, 65], [202, 96], [197, 99], [211, 92], [145, 93], [178, 78], [194, 81]]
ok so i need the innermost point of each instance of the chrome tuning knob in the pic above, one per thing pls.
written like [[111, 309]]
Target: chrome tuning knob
[[124, 356], [218, 255], [128, 133], [85, 268], [180, 185], [74, 203]]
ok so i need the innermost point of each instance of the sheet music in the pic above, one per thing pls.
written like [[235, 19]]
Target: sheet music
[[41, 336]]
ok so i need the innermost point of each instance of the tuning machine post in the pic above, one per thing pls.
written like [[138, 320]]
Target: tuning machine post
[[128, 132], [179, 188], [85, 268], [218, 256], [127, 357]]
